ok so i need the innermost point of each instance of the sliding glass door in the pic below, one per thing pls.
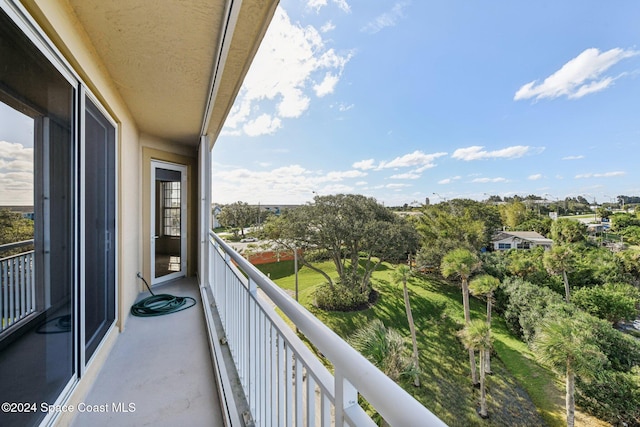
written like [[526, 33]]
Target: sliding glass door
[[100, 226], [57, 224], [37, 247]]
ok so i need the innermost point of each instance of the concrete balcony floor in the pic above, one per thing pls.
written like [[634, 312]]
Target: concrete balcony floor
[[163, 366]]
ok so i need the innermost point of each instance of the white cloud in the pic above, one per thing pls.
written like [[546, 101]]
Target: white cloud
[[485, 180], [327, 85], [292, 65], [364, 164], [535, 177], [319, 4], [343, 5], [287, 184], [16, 174], [408, 175], [397, 186], [387, 19], [329, 26], [262, 125], [344, 107], [17, 188], [580, 76], [573, 157], [477, 153], [361, 183], [449, 180], [316, 4], [336, 189], [339, 176], [13, 151], [600, 175], [417, 158]]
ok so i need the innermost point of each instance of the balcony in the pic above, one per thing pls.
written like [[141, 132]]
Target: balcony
[[265, 374]]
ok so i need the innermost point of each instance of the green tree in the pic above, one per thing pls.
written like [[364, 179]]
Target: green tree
[[612, 302], [476, 335], [526, 306], [563, 343], [485, 285], [540, 225], [238, 215], [603, 212], [462, 263], [401, 274], [456, 224], [527, 264], [629, 261], [564, 230], [513, 214], [356, 232], [560, 260], [621, 220], [14, 228]]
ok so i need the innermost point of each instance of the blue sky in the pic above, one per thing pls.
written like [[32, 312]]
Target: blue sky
[[401, 100], [413, 99]]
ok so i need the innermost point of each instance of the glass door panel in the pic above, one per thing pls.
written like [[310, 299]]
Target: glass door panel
[[168, 234], [37, 164], [100, 223]]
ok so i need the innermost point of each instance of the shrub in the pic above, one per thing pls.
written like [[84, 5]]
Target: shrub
[[526, 306], [610, 302], [340, 298], [612, 396]]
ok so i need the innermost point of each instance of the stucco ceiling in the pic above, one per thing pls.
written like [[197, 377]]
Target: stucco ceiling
[[161, 55]]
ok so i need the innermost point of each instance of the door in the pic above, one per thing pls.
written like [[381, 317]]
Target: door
[[100, 226], [168, 221]]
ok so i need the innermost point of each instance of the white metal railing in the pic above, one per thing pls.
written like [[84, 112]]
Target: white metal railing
[[17, 285], [285, 384]]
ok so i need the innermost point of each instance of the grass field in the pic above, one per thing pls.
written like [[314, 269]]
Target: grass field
[[521, 392]]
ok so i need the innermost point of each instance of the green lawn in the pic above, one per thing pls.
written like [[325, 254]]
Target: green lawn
[[521, 392]]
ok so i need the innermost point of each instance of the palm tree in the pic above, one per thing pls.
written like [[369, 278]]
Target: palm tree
[[462, 263], [563, 342], [401, 274], [560, 260], [384, 347], [477, 336], [485, 285]]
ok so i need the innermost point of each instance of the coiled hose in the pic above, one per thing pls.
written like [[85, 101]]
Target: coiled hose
[[161, 304]]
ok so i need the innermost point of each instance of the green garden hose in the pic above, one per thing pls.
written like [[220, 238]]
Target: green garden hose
[[161, 304]]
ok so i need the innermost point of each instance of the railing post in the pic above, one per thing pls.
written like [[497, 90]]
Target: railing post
[[346, 396], [4, 278], [11, 285]]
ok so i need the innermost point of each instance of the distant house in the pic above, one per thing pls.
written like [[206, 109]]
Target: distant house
[[215, 211], [506, 240]]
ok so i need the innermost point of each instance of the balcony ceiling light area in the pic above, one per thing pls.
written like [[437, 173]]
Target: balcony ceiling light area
[[162, 57]]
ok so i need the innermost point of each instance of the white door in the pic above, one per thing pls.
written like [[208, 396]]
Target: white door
[[168, 221]]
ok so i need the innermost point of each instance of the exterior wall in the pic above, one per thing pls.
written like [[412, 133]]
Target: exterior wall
[[496, 244], [514, 244]]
